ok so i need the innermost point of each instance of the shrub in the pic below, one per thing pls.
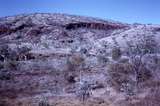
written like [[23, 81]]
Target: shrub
[[124, 78], [4, 51], [13, 55], [11, 65], [119, 74], [7, 53], [5, 75], [77, 59], [84, 91], [75, 62], [116, 53], [83, 50], [43, 103], [102, 59], [70, 78], [1, 65], [23, 50], [143, 74], [145, 45], [2, 58]]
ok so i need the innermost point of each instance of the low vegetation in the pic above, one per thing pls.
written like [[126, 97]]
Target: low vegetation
[[116, 53], [44, 103], [84, 91]]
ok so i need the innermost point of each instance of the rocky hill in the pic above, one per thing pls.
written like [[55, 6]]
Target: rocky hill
[[66, 60]]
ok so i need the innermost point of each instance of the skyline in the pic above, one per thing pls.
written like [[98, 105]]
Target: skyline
[[128, 11]]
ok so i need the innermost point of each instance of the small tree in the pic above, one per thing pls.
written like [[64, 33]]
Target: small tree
[[137, 51], [84, 91], [120, 75]]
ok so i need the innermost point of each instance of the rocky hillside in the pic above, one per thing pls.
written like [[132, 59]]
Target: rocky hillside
[[66, 60]]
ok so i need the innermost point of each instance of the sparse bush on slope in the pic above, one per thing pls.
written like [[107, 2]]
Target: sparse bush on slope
[[5, 75], [123, 78], [74, 67], [74, 62], [43, 103], [137, 53], [116, 53], [131, 73], [102, 59], [4, 52], [11, 65], [84, 91], [120, 75]]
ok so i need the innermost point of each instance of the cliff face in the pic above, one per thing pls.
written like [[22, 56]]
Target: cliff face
[[70, 60]]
